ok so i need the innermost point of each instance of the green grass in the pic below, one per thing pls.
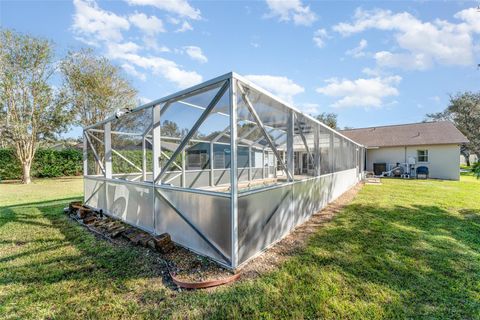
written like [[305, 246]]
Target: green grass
[[405, 249]]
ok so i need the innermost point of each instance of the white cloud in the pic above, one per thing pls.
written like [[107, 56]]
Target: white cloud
[[470, 18], [309, 108], [358, 52], [282, 87], [195, 53], [179, 7], [158, 65], [424, 43], [319, 37], [115, 50], [413, 61], [92, 24], [376, 19], [372, 72], [365, 93], [144, 100], [186, 26], [150, 25], [105, 30], [151, 43], [287, 10], [132, 71]]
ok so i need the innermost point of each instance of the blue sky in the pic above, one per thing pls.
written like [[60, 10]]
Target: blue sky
[[372, 63]]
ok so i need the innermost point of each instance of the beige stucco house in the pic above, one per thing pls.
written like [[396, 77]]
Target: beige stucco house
[[435, 145]]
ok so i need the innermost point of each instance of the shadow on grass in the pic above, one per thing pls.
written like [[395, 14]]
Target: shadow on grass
[[370, 262], [400, 262], [44, 250], [64, 201]]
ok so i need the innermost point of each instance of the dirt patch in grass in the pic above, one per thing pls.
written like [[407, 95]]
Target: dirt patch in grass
[[297, 239]]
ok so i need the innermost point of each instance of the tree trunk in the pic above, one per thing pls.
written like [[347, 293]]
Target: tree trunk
[[26, 172], [467, 160]]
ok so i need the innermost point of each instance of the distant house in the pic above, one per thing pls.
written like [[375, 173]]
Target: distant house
[[435, 145], [67, 145]]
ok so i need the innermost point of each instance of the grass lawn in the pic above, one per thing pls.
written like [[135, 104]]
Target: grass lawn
[[404, 249]]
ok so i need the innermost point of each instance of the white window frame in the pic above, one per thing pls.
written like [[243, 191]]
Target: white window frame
[[425, 156]]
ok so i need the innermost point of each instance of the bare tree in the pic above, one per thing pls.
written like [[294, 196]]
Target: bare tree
[[30, 109]]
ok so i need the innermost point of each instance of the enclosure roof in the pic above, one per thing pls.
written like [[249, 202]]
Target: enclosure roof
[[413, 134], [228, 76]]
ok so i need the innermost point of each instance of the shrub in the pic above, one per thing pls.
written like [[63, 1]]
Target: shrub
[[10, 167], [47, 163], [476, 169]]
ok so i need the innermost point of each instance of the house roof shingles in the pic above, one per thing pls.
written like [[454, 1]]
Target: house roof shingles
[[425, 133]]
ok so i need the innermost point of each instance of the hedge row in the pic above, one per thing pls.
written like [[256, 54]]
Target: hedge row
[[48, 163]]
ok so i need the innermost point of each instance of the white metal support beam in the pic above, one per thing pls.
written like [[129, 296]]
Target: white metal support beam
[[156, 141], [108, 150], [304, 140], [212, 178], [290, 154], [233, 171], [194, 129], [95, 154], [249, 131], [119, 154], [221, 134], [144, 159], [316, 143], [85, 154], [250, 163], [184, 184], [332, 153], [259, 122], [168, 158], [263, 163]]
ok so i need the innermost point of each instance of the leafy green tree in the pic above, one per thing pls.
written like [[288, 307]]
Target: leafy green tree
[[170, 129], [328, 118], [95, 87], [464, 112], [476, 169], [30, 110]]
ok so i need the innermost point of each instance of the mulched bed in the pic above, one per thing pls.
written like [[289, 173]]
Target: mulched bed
[[184, 264]]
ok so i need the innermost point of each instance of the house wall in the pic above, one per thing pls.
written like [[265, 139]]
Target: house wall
[[443, 160]]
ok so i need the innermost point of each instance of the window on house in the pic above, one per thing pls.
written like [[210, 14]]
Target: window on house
[[197, 159], [219, 160], [422, 155]]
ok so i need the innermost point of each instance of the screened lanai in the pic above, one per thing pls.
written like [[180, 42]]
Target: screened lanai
[[224, 167]]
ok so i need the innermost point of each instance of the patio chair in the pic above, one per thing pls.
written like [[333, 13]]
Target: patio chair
[[422, 171]]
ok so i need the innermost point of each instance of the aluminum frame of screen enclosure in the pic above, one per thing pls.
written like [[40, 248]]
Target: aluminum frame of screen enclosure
[[225, 167]]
